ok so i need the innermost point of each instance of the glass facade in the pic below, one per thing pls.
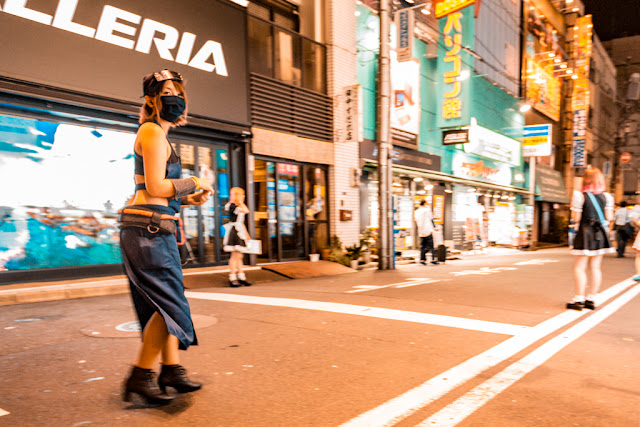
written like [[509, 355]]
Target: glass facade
[[278, 53], [78, 176], [72, 181], [290, 209]]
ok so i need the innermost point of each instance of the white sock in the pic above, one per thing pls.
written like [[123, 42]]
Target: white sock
[[233, 277], [241, 276], [592, 297], [578, 298]]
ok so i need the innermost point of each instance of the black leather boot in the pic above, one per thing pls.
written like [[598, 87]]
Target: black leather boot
[[143, 383], [175, 376]]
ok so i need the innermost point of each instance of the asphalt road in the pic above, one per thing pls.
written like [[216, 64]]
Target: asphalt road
[[483, 341]]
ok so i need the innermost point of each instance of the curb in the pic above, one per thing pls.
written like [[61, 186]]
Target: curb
[[44, 293]]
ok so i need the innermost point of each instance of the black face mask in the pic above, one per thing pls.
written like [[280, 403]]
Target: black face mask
[[172, 108]]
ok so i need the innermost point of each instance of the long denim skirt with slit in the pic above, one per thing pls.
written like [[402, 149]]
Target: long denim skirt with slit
[[152, 264]]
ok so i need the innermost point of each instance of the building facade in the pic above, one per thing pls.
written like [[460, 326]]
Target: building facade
[[69, 109]]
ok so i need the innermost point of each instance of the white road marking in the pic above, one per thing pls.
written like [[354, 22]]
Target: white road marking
[[401, 407], [405, 284], [3, 412], [536, 262], [457, 411], [226, 270], [482, 271], [359, 310]]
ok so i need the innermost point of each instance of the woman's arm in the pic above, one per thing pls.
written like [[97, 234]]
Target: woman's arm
[[153, 144]]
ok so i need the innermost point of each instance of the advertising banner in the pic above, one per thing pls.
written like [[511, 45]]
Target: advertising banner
[[405, 102], [543, 59]]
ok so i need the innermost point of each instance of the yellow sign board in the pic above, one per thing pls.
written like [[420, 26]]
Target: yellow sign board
[[445, 7]]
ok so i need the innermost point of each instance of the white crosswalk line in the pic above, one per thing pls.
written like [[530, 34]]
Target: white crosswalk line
[[403, 406], [459, 410], [360, 310]]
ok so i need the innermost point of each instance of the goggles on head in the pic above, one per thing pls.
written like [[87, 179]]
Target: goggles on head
[[151, 83]]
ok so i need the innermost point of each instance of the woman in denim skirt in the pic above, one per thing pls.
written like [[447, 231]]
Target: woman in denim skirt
[[151, 258]]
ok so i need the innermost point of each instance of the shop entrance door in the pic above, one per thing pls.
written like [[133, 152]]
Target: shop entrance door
[[290, 209], [203, 224]]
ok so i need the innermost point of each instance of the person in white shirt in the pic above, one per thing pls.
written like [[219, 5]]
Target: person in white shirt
[[621, 217], [424, 220]]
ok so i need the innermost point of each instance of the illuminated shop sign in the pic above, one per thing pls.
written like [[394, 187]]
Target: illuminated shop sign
[[492, 145], [120, 28], [454, 69], [536, 141], [104, 48], [580, 97], [446, 7], [471, 167]]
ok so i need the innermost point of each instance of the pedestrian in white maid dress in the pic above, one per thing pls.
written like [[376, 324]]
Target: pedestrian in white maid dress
[[236, 237]]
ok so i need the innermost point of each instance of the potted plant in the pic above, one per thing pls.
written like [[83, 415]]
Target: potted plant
[[367, 241], [353, 253]]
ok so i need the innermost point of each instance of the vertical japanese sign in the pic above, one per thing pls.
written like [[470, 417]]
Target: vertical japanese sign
[[405, 35], [454, 69], [580, 100], [353, 120]]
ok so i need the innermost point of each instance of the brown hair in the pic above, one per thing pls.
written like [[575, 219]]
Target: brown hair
[[152, 112], [593, 181]]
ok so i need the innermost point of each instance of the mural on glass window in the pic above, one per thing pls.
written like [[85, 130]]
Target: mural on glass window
[[62, 187]]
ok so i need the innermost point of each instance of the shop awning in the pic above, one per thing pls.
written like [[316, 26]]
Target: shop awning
[[550, 186]]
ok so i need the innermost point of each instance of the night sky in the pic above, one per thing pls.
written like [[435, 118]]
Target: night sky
[[614, 18]]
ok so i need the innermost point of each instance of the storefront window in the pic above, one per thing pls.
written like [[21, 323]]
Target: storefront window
[[316, 208], [283, 212], [79, 177]]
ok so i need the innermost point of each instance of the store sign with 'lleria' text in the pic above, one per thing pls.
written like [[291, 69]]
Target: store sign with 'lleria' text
[[96, 46]]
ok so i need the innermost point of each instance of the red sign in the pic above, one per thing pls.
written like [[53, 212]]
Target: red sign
[[625, 157]]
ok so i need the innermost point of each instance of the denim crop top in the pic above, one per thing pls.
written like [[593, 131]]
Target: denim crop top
[[139, 163]]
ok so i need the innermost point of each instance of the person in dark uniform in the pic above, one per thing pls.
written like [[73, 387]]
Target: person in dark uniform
[[236, 237], [150, 254], [592, 209]]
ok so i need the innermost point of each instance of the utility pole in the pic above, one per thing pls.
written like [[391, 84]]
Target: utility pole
[[385, 217]]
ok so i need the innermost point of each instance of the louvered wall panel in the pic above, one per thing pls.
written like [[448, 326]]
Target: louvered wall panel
[[285, 108]]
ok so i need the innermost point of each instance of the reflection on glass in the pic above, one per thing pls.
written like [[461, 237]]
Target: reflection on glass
[[223, 187], [69, 220], [288, 58], [314, 66], [260, 47], [190, 213], [207, 209], [316, 193], [265, 208], [292, 239], [289, 192]]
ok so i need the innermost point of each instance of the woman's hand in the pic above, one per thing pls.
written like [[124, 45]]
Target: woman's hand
[[199, 198]]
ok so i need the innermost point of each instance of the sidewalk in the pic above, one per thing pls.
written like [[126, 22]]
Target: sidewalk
[[197, 278], [194, 278]]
